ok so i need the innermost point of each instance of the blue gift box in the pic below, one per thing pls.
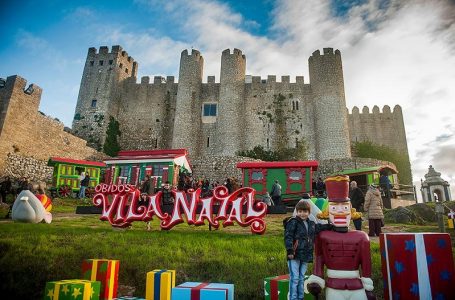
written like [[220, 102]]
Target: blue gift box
[[203, 291]]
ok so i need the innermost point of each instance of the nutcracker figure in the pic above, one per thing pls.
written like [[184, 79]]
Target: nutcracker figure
[[346, 254]]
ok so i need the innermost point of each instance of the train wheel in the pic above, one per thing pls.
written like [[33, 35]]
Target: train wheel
[[64, 191]]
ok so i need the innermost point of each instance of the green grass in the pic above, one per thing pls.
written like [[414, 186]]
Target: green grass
[[31, 254]]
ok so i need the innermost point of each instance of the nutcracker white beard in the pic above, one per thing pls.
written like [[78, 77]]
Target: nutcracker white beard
[[340, 213]]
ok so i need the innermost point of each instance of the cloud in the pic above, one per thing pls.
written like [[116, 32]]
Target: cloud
[[39, 47], [393, 51]]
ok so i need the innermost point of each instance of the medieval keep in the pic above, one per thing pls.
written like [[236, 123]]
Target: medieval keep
[[237, 113]]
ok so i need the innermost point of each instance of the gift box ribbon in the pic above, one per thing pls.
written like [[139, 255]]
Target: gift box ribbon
[[87, 288], [112, 273], [274, 286], [422, 267]]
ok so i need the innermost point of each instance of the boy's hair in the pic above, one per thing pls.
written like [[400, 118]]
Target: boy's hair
[[303, 205]]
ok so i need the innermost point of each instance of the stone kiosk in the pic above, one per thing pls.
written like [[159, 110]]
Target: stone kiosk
[[434, 188]]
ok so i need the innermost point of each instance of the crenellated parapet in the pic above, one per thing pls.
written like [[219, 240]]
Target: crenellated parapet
[[117, 57], [384, 127], [376, 110]]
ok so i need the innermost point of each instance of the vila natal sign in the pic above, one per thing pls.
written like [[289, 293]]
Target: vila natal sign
[[121, 207]]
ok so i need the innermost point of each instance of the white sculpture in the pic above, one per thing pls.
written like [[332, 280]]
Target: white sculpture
[[27, 208]]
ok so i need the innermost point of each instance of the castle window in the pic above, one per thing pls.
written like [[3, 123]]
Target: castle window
[[111, 61], [101, 62], [208, 142], [126, 70], [268, 143], [293, 105], [92, 63], [121, 66], [156, 143], [296, 105], [93, 103], [209, 110]]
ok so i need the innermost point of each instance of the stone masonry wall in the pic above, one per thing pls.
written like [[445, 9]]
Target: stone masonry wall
[[218, 168], [28, 133], [35, 170], [385, 127], [251, 111]]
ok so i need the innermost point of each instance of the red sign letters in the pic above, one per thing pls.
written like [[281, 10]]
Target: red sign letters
[[121, 207]]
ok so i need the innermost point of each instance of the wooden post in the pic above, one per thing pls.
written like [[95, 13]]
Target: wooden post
[[440, 215]]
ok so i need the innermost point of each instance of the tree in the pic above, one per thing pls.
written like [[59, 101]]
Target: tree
[[297, 153], [401, 160], [111, 145]]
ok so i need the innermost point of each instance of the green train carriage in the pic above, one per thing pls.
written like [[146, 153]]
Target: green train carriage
[[65, 178]]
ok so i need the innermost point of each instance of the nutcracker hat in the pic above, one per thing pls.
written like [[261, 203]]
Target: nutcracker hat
[[337, 188]]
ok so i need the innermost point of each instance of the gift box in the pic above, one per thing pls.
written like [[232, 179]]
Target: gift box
[[106, 272], [203, 291], [159, 284], [74, 289], [417, 266], [277, 288]]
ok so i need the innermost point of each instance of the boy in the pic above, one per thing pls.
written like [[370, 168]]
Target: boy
[[299, 241]]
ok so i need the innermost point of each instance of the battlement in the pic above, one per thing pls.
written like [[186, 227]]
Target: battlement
[[115, 50], [235, 52], [157, 80], [195, 55], [326, 51], [376, 111], [18, 84], [272, 79]]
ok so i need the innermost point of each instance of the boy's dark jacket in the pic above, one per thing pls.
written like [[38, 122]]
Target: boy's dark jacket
[[295, 230]]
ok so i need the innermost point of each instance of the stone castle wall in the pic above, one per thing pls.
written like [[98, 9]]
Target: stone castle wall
[[28, 133], [35, 170], [385, 128], [218, 168], [251, 111]]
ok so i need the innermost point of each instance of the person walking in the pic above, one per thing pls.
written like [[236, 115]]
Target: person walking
[[276, 193], [357, 200], [374, 206], [386, 186], [84, 184]]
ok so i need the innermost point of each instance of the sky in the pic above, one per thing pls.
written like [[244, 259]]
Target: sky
[[393, 51]]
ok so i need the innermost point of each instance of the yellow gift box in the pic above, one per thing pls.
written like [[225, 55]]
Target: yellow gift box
[[159, 284], [72, 289]]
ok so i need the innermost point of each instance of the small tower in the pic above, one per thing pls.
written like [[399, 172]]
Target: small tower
[[187, 121], [103, 73], [231, 104], [327, 85], [434, 188]]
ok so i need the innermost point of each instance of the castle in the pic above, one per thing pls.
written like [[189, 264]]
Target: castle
[[236, 113]]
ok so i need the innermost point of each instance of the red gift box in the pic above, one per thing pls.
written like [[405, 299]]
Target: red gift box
[[104, 271], [417, 266]]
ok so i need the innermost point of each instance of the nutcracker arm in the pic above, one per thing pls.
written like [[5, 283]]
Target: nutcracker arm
[[314, 279], [367, 283]]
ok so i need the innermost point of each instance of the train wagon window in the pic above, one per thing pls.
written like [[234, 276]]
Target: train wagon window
[[257, 175], [295, 175]]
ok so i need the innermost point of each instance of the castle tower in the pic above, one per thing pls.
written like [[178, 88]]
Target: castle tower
[[327, 85], [103, 72], [187, 121], [231, 103]]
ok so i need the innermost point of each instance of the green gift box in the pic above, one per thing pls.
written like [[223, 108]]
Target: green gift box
[[277, 288], [73, 289]]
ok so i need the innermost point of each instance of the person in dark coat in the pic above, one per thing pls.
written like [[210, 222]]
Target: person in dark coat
[[386, 187], [299, 237], [275, 193], [147, 186], [357, 200], [6, 188]]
